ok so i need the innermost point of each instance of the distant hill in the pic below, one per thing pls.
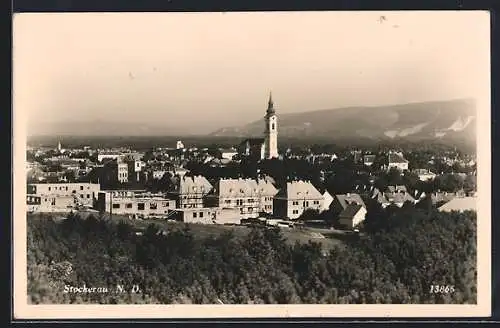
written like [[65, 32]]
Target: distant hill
[[451, 121]]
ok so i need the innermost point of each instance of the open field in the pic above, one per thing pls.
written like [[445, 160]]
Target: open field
[[326, 238]]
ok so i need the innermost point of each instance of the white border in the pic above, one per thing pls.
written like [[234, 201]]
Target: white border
[[22, 310]]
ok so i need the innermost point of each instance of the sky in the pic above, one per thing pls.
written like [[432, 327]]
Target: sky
[[204, 71]]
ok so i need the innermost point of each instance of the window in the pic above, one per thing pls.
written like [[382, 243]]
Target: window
[[153, 206], [49, 188], [66, 188], [227, 201], [116, 205], [81, 187], [88, 195], [201, 214], [81, 196], [250, 209], [140, 206], [129, 205], [165, 204], [194, 214], [272, 127]]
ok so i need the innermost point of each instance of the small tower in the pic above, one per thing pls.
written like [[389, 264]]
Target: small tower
[[59, 147], [271, 131]]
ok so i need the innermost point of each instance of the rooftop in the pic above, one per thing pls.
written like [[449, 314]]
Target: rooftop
[[460, 204]]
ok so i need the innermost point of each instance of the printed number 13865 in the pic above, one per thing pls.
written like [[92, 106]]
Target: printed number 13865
[[442, 289]]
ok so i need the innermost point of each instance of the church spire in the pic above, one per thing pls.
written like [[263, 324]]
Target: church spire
[[270, 104]]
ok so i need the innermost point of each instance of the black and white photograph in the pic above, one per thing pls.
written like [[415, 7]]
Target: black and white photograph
[[297, 163]]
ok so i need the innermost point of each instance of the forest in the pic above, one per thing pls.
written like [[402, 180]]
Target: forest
[[400, 255]]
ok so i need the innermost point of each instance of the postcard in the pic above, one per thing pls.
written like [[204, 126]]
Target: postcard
[[252, 165]]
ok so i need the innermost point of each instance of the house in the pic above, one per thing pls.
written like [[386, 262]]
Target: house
[[394, 195], [189, 191], [398, 195], [368, 160], [227, 153], [253, 147], [135, 203], [459, 204], [251, 197], [295, 198], [396, 160], [424, 175], [350, 209], [352, 216]]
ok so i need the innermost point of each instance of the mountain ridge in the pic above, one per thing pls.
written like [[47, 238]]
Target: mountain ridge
[[445, 120]]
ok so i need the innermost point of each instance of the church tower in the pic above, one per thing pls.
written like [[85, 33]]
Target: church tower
[[271, 134]]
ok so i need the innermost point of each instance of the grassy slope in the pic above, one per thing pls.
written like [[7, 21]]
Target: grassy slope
[[203, 230]]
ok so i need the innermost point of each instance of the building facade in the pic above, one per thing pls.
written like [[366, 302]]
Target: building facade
[[134, 203], [54, 197], [350, 209], [250, 197], [295, 198], [190, 191], [207, 215]]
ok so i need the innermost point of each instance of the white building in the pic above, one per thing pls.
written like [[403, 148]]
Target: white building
[[350, 208], [271, 131], [179, 145], [190, 191], [295, 198], [250, 197]]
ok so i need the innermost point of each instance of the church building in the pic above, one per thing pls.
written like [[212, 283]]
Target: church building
[[267, 147]]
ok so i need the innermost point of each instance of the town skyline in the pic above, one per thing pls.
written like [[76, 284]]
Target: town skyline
[[87, 71]]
